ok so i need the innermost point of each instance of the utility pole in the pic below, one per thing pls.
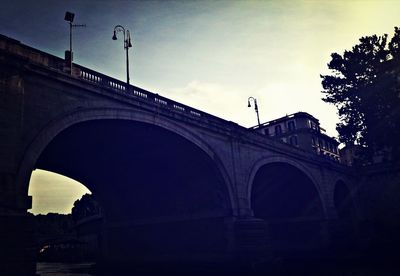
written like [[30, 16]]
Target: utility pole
[[69, 16]]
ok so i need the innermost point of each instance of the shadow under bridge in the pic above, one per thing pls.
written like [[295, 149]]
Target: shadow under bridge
[[163, 197]]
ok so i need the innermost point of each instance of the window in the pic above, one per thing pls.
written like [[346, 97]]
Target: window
[[312, 125], [278, 130], [266, 131], [313, 141], [291, 126]]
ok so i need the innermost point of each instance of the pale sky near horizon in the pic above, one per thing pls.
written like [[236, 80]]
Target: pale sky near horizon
[[211, 55]]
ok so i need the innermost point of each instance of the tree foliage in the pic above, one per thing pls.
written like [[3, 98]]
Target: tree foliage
[[84, 207], [364, 85]]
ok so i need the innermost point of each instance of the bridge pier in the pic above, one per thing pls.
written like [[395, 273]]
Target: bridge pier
[[17, 248], [252, 241], [222, 243], [245, 243]]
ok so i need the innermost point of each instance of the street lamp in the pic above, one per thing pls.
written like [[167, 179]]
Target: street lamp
[[69, 16], [255, 107], [127, 45]]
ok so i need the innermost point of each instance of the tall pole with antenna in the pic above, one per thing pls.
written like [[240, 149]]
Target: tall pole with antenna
[[69, 16]]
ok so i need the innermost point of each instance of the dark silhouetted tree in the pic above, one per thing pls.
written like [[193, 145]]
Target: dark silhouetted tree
[[364, 85], [84, 207]]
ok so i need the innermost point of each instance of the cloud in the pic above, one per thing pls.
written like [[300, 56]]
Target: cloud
[[225, 101]]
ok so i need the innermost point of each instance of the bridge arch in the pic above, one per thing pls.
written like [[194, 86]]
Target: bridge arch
[[265, 161], [286, 196], [42, 140]]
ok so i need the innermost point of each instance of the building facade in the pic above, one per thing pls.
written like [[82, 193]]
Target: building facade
[[303, 131]]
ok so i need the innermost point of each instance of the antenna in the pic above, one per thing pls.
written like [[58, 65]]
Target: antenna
[[69, 16]]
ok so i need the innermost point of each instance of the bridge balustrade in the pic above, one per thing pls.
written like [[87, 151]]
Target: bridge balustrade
[[54, 63], [157, 100], [103, 80]]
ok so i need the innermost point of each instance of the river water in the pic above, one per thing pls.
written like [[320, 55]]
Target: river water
[[86, 269], [64, 269]]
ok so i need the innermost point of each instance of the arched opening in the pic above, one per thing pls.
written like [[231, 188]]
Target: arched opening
[[287, 199], [282, 191], [57, 238], [160, 193], [54, 193]]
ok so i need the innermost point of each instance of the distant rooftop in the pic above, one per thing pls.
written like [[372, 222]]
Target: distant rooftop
[[285, 118]]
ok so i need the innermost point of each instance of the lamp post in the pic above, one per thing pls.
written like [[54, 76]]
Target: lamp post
[[255, 107], [127, 45], [69, 16]]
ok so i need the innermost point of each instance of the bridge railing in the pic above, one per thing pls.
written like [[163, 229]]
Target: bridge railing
[[142, 95], [52, 62], [152, 98]]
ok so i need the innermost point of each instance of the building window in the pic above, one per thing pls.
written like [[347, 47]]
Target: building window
[[278, 130], [266, 131], [313, 141], [312, 125], [291, 126]]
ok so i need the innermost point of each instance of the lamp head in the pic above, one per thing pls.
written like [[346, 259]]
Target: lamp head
[[69, 16], [114, 36], [129, 43], [248, 103]]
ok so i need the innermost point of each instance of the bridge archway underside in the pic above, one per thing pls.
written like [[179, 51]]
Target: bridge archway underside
[[288, 200], [139, 170], [155, 186]]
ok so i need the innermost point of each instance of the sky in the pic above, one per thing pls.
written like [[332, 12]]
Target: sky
[[211, 55], [54, 193]]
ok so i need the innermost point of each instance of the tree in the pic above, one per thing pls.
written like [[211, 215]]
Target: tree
[[364, 85], [84, 207]]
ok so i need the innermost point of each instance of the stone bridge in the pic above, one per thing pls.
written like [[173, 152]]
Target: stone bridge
[[175, 183]]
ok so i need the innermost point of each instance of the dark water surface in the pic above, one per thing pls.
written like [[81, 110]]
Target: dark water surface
[[64, 269], [86, 269]]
